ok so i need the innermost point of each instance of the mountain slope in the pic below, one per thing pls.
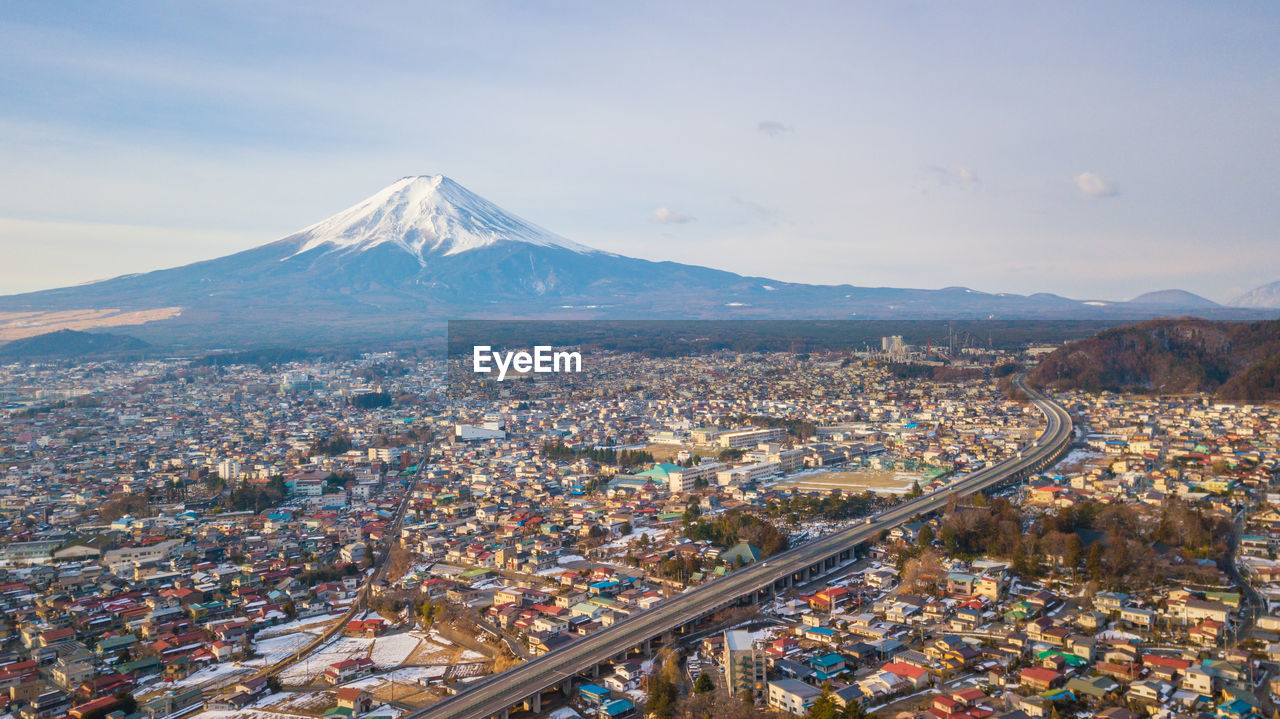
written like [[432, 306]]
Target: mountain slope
[[1238, 361], [1267, 296], [426, 249]]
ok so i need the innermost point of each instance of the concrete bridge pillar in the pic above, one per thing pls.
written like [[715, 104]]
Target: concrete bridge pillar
[[595, 670], [648, 647], [566, 687]]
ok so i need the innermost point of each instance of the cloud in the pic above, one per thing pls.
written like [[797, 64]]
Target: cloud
[[954, 176], [668, 216], [1091, 185], [773, 128], [758, 210]]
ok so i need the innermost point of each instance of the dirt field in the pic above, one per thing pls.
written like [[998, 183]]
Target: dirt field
[[668, 452], [881, 481], [16, 325]]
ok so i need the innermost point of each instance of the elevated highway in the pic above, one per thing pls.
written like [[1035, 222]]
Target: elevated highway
[[525, 683]]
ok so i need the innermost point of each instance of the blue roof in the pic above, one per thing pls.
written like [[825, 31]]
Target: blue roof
[[1236, 706], [617, 706], [827, 660]]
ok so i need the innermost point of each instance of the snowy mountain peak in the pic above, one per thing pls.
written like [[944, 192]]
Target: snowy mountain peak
[[425, 215]]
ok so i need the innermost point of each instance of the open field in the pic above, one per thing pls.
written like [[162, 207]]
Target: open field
[[880, 481], [668, 452], [16, 325]]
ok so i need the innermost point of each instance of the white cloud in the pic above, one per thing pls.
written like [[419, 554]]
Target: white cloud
[[1091, 185], [758, 210], [668, 216], [773, 128], [954, 176]]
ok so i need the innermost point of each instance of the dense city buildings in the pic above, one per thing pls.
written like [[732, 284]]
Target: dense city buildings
[[358, 538]]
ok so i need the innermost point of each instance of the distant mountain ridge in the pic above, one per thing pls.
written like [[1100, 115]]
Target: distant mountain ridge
[[1266, 296], [1173, 298], [1234, 360], [425, 249]]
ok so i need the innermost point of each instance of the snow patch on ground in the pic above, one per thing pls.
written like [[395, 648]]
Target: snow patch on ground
[[393, 649], [208, 675]]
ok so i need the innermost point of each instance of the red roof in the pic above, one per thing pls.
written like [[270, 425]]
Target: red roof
[[903, 669], [1158, 660], [1040, 675]]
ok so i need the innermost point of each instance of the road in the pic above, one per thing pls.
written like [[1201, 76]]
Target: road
[[497, 693], [1253, 607]]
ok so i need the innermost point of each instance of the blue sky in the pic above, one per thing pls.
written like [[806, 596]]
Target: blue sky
[[1089, 149]]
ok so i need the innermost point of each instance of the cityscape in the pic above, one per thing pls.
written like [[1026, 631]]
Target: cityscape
[[344, 537], [668, 361]]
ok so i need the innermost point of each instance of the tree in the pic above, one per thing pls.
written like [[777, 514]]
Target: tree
[[671, 666], [1093, 564], [399, 561], [691, 514], [127, 703], [662, 697], [824, 708], [922, 572], [854, 710], [925, 537], [949, 538], [703, 684], [427, 613], [1075, 550]]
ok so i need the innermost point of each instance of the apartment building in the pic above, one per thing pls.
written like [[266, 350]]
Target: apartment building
[[744, 663]]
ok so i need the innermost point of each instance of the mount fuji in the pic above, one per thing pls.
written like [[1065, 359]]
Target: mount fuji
[[426, 249]]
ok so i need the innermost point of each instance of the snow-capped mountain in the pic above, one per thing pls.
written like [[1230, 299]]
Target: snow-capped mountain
[[424, 216], [426, 249], [1266, 296]]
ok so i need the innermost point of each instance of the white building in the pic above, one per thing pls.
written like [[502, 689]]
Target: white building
[[792, 696], [472, 433], [751, 437], [683, 480], [735, 476], [385, 454], [230, 469]]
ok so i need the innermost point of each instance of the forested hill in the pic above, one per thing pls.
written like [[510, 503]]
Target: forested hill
[[71, 344], [1235, 360]]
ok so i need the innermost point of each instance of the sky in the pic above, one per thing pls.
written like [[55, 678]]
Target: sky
[[1094, 150]]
